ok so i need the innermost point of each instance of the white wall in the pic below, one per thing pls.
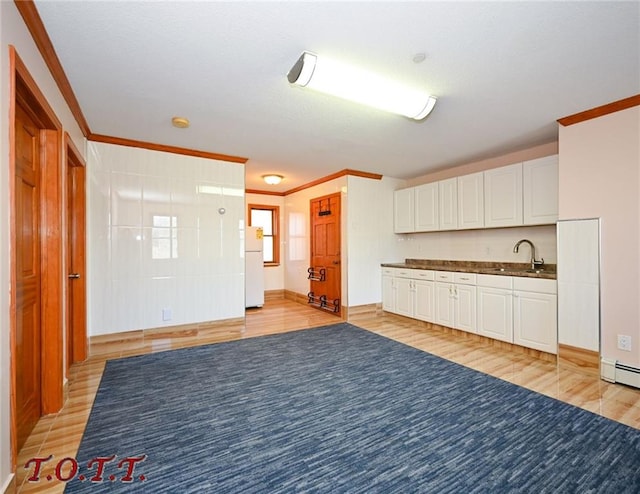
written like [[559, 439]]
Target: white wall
[[494, 244], [130, 279], [273, 275], [600, 178], [13, 32], [370, 237]]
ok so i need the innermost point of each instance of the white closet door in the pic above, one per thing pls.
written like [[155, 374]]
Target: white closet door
[[579, 283]]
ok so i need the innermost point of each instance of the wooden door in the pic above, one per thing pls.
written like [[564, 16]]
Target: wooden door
[[76, 334], [325, 252], [28, 275]]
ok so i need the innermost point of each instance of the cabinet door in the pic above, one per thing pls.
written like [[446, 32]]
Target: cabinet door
[[471, 201], [540, 190], [425, 299], [444, 304], [503, 196], [403, 297], [403, 210], [388, 296], [465, 308], [426, 207], [448, 203], [495, 313], [535, 323]]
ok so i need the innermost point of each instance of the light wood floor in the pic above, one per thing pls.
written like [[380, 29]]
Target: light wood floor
[[59, 435]]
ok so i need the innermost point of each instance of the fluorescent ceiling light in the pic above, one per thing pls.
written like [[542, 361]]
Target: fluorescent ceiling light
[[351, 83]]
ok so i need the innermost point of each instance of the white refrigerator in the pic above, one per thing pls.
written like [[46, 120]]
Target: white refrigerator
[[254, 267]]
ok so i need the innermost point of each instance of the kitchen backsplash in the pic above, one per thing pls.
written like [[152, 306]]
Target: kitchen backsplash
[[480, 245]]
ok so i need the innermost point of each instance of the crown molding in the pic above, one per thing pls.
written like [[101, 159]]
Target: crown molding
[[599, 111], [121, 141], [32, 20]]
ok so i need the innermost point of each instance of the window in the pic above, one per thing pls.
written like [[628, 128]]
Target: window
[[267, 217], [164, 237]]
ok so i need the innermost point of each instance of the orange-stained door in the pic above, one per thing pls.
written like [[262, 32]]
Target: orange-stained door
[[325, 250], [76, 333], [28, 294]]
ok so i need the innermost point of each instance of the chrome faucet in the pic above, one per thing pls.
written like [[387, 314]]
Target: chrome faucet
[[534, 264]]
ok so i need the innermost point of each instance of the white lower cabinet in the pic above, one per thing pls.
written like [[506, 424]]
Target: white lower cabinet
[[495, 307], [518, 310], [403, 296], [513, 309], [425, 301], [408, 292], [388, 293], [444, 304], [535, 308], [456, 300]]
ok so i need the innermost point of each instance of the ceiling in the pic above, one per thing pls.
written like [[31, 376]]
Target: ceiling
[[503, 72]]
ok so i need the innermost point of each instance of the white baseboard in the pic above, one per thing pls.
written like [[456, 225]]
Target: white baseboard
[[616, 372], [7, 483]]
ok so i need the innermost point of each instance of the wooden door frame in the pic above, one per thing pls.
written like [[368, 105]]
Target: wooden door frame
[[22, 86], [75, 238]]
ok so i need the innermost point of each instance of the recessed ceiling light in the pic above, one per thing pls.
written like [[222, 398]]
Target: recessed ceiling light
[[180, 122]]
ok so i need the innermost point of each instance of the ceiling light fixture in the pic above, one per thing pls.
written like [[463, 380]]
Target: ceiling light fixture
[[351, 83], [272, 179], [180, 122]]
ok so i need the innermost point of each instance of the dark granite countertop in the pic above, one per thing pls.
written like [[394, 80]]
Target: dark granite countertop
[[548, 271]]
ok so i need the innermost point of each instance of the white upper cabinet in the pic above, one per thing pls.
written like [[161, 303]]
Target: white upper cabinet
[[426, 207], [403, 210], [540, 189], [448, 203], [514, 195], [503, 196], [471, 201]]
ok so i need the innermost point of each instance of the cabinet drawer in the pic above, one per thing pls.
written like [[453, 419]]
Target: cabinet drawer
[[495, 281], [444, 276], [423, 274], [465, 278], [389, 271], [535, 285], [403, 273]]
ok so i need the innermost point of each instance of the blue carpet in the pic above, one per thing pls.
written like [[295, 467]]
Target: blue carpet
[[338, 409]]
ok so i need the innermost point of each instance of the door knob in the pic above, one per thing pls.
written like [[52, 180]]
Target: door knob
[[74, 276]]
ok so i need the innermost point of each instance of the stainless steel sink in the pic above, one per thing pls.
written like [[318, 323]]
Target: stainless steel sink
[[516, 270]]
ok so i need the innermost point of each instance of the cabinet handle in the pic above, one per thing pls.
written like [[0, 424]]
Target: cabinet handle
[[465, 279]]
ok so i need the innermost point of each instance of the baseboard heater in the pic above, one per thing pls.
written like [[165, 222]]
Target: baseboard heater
[[616, 372]]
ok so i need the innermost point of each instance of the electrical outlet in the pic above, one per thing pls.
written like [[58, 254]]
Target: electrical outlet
[[624, 342], [166, 314]]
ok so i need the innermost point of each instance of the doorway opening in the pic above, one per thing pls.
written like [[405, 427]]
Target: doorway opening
[[76, 333]]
